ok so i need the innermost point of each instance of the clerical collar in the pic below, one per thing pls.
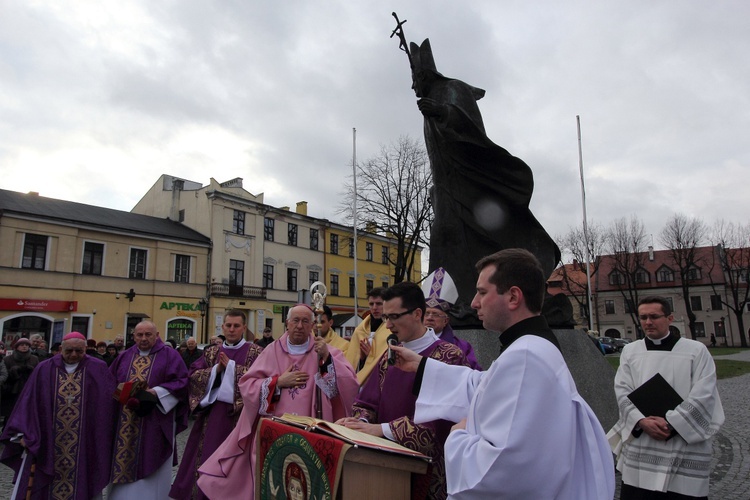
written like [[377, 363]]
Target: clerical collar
[[665, 343], [70, 368], [145, 353], [422, 342], [535, 325], [297, 348], [233, 346]]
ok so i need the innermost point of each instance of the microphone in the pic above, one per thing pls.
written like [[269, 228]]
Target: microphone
[[392, 340]]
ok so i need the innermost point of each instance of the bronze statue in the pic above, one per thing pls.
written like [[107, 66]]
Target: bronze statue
[[481, 193]]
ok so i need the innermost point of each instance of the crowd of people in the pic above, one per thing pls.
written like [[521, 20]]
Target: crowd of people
[[99, 416]]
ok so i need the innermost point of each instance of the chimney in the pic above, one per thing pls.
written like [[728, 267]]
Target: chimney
[[650, 253], [174, 211], [302, 207]]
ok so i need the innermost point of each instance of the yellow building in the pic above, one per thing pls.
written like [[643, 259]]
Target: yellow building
[[67, 266]]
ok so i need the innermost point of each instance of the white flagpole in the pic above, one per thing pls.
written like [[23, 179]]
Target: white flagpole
[[585, 227], [354, 211]]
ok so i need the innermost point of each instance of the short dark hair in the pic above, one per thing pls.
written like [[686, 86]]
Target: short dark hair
[[328, 313], [517, 267], [236, 313], [376, 292], [411, 295], [666, 308]]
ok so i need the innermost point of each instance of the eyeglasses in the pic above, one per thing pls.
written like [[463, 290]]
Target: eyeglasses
[[395, 316], [295, 321], [434, 315], [652, 317]]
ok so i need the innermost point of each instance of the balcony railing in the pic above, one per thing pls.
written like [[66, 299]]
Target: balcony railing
[[247, 292]]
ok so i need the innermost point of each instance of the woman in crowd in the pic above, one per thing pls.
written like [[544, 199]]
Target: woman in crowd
[[20, 364]]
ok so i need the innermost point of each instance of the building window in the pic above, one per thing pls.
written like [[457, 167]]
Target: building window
[[384, 284], [238, 222], [609, 307], [351, 247], [267, 276], [335, 244], [182, 268], [629, 306], [291, 279], [351, 287], [664, 274], [236, 272], [80, 324], [700, 329], [671, 304], [292, 234], [369, 285], [694, 273], [313, 277], [137, 264], [716, 304], [719, 329], [696, 304], [34, 251], [616, 278], [368, 251], [384, 255], [313, 239], [642, 276], [93, 257], [334, 284], [268, 226]]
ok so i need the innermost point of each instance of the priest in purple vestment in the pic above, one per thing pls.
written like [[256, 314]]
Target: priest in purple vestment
[[440, 293], [215, 400], [62, 425], [385, 407], [282, 380], [144, 449]]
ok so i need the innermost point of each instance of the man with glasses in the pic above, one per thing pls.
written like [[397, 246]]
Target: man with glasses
[[385, 406], [440, 294], [282, 380], [666, 456]]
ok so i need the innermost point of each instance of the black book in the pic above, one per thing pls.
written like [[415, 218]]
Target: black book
[[655, 397]]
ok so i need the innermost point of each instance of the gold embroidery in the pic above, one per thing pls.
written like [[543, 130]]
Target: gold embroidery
[[129, 428], [67, 429]]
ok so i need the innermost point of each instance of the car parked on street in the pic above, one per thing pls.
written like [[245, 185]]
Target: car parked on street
[[607, 345], [620, 343]]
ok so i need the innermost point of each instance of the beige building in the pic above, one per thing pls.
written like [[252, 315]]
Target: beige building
[[264, 258], [67, 266]]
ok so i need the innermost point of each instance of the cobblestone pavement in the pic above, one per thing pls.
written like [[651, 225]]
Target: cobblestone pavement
[[730, 471]]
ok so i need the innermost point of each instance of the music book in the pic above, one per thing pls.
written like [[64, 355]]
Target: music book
[[351, 436], [655, 397]]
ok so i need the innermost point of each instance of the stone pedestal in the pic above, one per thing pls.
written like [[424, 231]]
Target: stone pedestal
[[594, 377]]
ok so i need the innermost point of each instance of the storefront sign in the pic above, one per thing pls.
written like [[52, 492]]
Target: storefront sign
[[38, 305], [180, 306]]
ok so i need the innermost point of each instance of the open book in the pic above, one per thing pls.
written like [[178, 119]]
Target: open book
[[347, 435]]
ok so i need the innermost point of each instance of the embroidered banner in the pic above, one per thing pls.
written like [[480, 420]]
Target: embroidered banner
[[296, 464]]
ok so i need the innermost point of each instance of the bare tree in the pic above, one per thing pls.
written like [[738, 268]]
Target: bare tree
[[573, 245], [733, 242], [626, 243], [683, 236], [393, 193]]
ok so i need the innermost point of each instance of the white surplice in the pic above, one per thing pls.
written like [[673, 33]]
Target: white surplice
[[529, 434], [683, 463]]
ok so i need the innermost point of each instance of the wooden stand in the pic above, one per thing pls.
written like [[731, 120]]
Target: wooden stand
[[370, 474]]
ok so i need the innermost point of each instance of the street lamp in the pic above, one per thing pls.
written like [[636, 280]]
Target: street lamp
[[203, 306]]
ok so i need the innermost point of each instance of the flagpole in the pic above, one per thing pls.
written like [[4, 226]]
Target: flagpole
[[585, 227], [354, 218]]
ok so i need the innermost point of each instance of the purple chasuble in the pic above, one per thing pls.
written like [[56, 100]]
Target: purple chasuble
[[213, 423], [388, 398], [142, 444], [67, 422], [448, 335]]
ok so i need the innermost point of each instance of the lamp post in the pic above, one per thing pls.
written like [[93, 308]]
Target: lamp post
[[203, 306]]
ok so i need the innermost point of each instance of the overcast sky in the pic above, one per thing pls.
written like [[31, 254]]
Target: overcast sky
[[97, 99]]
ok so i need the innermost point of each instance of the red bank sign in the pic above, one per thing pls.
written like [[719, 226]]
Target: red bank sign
[[38, 305]]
